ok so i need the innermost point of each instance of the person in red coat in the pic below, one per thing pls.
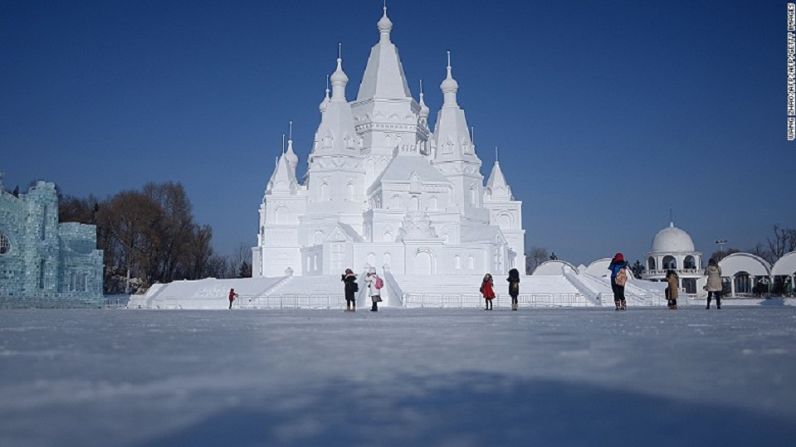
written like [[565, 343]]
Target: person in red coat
[[488, 291], [232, 296]]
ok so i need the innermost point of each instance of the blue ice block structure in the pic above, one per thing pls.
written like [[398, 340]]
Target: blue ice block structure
[[42, 259]]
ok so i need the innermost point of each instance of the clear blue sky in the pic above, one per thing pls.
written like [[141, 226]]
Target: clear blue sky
[[607, 113]]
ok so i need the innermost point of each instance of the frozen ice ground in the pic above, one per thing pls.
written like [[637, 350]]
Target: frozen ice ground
[[399, 377]]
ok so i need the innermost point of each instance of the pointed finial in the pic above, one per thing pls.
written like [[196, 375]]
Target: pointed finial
[[496, 154], [283, 143], [290, 130], [327, 85], [472, 134], [449, 86], [384, 24], [671, 219], [339, 79]]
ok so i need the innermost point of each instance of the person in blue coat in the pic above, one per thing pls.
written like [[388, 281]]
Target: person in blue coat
[[618, 268]]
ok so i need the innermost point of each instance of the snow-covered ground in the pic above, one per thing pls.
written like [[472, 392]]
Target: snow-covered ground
[[399, 377]]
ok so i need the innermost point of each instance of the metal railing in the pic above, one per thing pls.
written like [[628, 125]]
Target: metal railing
[[290, 301], [473, 300]]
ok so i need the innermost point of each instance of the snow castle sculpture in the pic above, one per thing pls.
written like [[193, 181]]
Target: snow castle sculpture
[[384, 191]]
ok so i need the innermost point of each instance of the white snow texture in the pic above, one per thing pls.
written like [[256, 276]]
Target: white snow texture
[[460, 377]]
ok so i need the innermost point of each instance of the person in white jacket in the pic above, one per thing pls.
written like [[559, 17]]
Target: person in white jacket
[[374, 289]]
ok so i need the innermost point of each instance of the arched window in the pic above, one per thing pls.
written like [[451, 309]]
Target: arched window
[[669, 263], [5, 244], [434, 202], [743, 283], [324, 192], [473, 198], [651, 263], [396, 202], [414, 203], [317, 237], [689, 262], [471, 262], [457, 262]]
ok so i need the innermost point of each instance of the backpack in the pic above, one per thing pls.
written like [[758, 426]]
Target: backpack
[[379, 283], [355, 285], [621, 277]]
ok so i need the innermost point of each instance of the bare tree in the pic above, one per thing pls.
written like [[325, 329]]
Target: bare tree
[[782, 241], [536, 256]]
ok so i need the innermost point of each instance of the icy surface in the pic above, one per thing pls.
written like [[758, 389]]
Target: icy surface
[[398, 377]]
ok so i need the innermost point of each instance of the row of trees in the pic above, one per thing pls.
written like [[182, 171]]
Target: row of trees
[[150, 236]]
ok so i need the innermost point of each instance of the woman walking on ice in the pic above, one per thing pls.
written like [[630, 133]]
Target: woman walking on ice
[[375, 283], [618, 268], [514, 287], [351, 288], [713, 272], [672, 289], [487, 290]]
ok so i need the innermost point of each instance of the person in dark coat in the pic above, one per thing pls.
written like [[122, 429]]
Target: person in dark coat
[[618, 268], [488, 290], [351, 288], [514, 287], [232, 296], [672, 289]]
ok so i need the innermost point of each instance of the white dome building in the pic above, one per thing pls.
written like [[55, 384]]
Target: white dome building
[[673, 249]]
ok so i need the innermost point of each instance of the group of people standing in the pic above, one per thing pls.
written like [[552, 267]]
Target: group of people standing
[[488, 289], [618, 268], [619, 275], [374, 283]]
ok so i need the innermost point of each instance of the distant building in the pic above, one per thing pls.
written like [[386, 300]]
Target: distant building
[[41, 258], [673, 249]]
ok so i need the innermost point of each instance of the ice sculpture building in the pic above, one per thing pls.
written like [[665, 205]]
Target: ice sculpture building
[[40, 258]]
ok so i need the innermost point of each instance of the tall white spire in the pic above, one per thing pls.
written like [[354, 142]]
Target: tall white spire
[[424, 111], [291, 157], [325, 102], [384, 75], [449, 87], [384, 25], [339, 78], [497, 187]]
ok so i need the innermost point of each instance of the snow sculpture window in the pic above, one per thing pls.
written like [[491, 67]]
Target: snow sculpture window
[[396, 202], [324, 192], [318, 237], [505, 221], [434, 202], [415, 203], [472, 195], [471, 262], [669, 263], [386, 258], [689, 263], [44, 223], [5, 244], [350, 191], [309, 264], [387, 236], [651, 263], [41, 274], [457, 262]]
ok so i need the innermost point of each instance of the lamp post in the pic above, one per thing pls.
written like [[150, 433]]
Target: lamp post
[[721, 243]]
